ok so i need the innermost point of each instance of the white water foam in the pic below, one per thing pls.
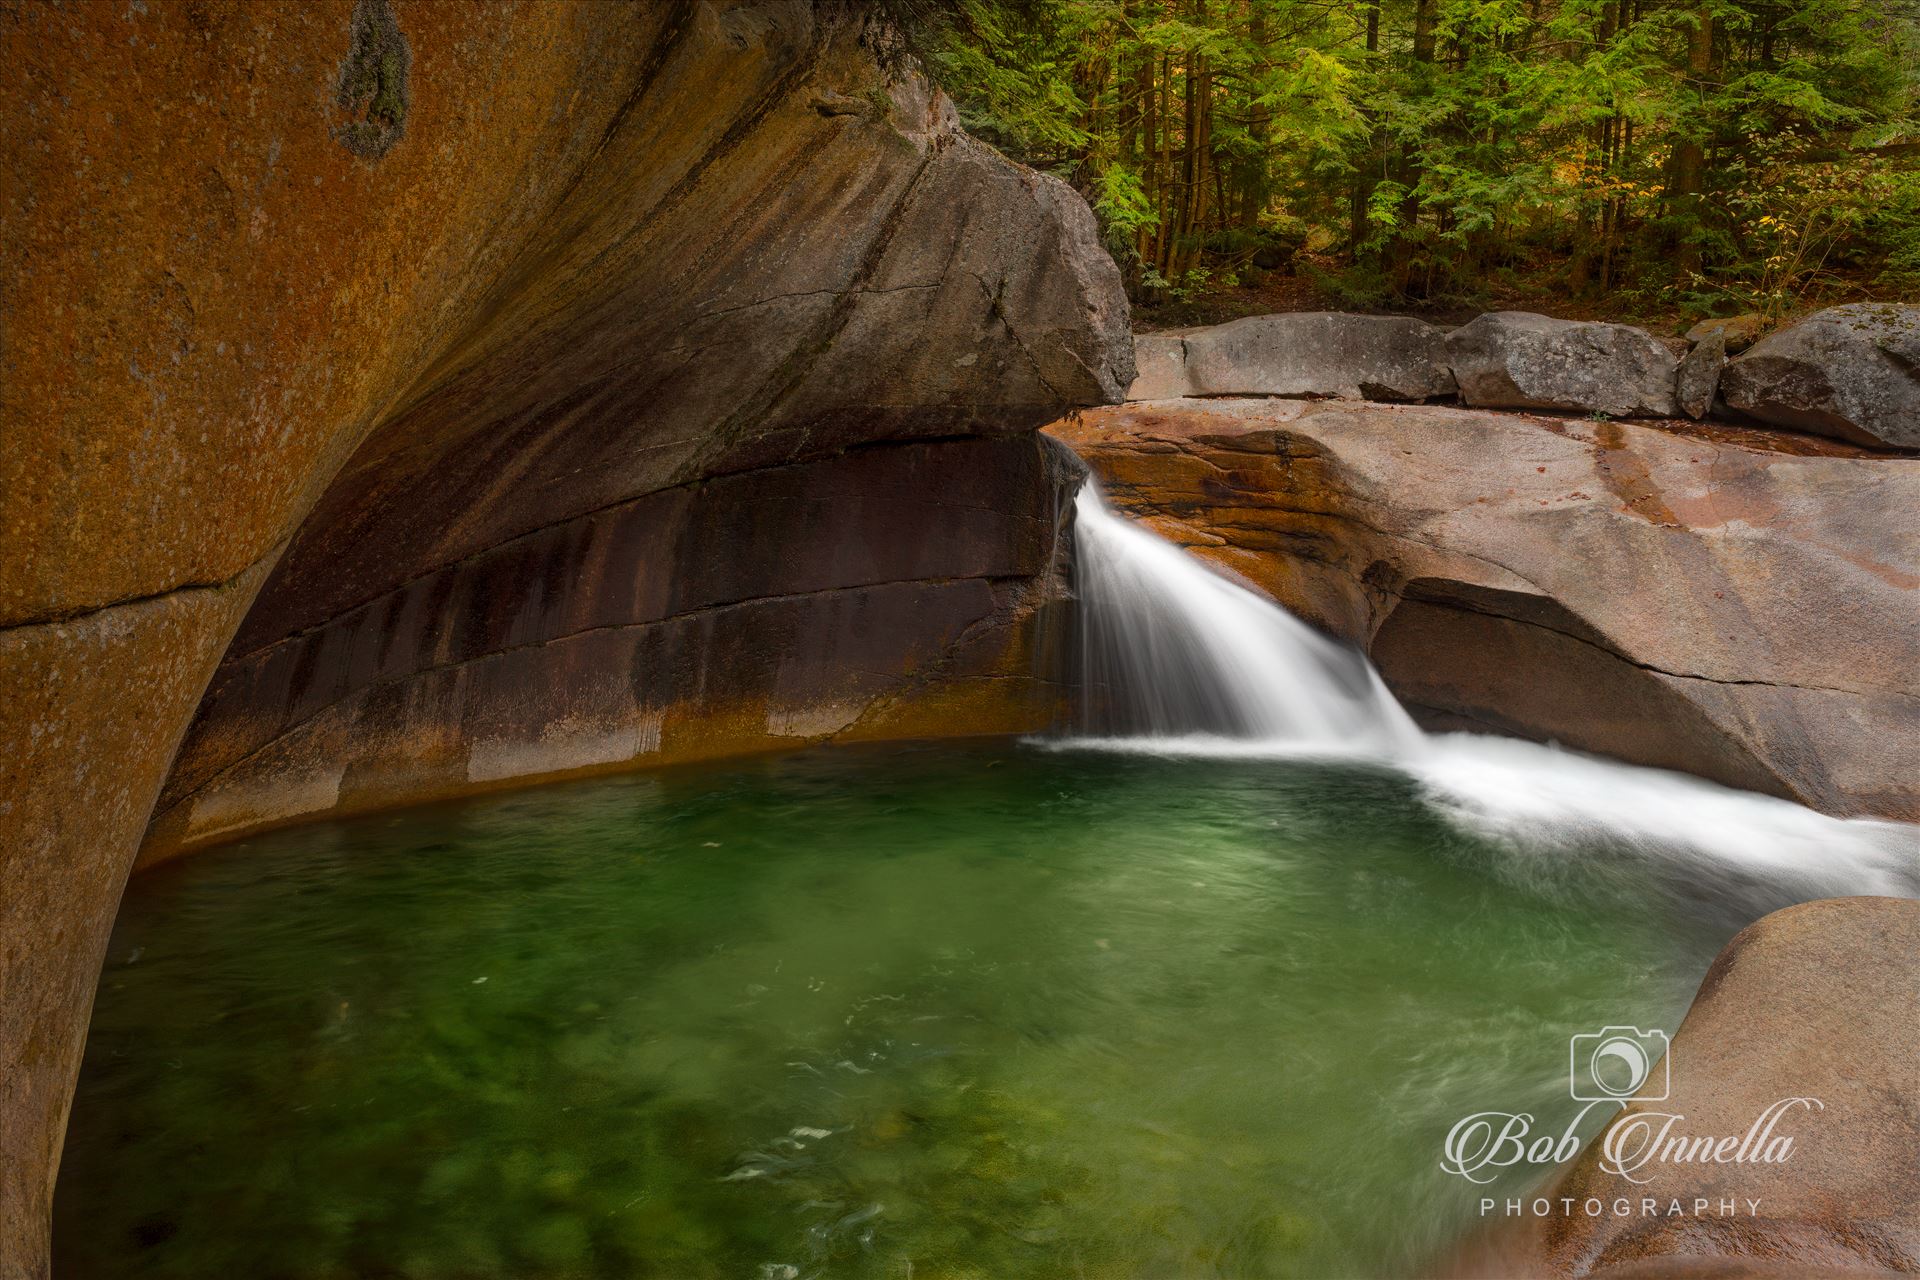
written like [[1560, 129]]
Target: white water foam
[[1179, 661], [1170, 649]]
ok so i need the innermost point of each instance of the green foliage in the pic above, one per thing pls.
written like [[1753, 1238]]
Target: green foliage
[[1712, 153], [1120, 200], [1896, 225], [1019, 91]]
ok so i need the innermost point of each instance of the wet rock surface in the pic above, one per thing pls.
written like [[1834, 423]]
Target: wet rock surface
[[1819, 1001], [896, 590], [1698, 601]]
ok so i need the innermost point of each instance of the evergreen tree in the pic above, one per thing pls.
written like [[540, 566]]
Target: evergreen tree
[[1729, 154]]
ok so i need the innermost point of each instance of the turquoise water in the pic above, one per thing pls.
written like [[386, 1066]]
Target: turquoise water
[[961, 1011]]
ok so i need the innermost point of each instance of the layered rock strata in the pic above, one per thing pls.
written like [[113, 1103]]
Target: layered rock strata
[[895, 590]]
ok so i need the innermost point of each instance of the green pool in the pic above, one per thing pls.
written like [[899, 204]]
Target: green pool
[[995, 1011]]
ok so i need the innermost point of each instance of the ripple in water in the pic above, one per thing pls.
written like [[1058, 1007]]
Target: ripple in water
[[995, 1011]]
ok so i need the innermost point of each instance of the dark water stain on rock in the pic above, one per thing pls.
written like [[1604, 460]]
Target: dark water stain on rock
[[1628, 477], [373, 82]]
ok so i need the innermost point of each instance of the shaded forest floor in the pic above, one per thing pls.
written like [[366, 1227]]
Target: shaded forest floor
[[1310, 286]]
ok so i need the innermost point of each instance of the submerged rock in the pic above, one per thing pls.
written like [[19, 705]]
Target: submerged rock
[[1849, 372], [1712, 604], [1318, 354], [1518, 360]]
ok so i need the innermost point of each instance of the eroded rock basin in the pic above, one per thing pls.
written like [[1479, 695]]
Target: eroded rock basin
[[1731, 603], [996, 1010]]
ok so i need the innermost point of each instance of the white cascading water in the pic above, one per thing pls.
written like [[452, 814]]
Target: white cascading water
[[1170, 649], [1178, 660]]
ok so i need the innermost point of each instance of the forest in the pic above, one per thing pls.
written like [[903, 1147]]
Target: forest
[[1622, 157]]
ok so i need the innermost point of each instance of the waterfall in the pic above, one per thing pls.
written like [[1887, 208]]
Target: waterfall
[[1170, 649], [1178, 660]]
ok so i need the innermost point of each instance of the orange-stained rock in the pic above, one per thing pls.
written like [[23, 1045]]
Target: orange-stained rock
[[1705, 602], [355, 293], [90, 712], [185, 239]]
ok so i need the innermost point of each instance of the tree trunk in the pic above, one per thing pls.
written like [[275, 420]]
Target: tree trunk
[[1363, 181], [1256, 180], [1689, 157], [1424, 13]]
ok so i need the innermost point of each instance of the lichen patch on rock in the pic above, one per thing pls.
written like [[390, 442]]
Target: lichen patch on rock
[[373, 89]]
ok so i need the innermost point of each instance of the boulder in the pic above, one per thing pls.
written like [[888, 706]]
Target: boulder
[[1740, 332], [1849, 372], [1160, 360], [1739, 607], [1319, 354], [1698, 381], [273, 362], [1819, 1001], [1518, 360]]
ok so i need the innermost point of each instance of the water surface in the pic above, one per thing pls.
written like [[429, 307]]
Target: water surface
[[993, 1011]]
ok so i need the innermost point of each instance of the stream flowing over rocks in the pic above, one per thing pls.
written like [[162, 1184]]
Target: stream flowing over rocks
[[1731, 603], [1712, 603]]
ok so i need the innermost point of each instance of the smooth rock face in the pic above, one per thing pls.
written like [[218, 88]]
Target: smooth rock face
[[768, 608], [584, 254], [1817, 1001], [1318, 354], [1702, 603], [1849, 372], [1518, 360], [1161, 359], [1699, 378]]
